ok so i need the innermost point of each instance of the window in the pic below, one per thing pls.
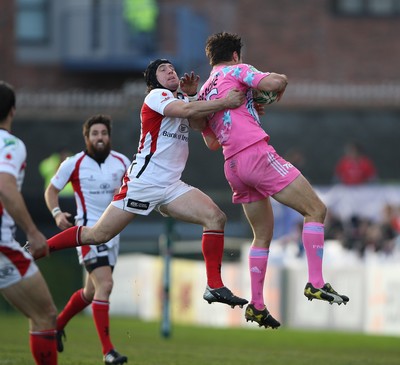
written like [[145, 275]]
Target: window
[[32, 23], [374, 8]]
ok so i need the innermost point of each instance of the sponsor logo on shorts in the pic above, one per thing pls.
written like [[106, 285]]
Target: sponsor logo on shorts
[[6, 271], [136, 204], [102, 248]]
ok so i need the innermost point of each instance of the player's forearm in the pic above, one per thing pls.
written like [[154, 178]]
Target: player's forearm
[[200, 109], [273, 82], [51, 197], [14, 203]]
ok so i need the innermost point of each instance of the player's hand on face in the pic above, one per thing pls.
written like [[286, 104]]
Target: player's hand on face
[[37, 244], [189, 83], [235, 98]]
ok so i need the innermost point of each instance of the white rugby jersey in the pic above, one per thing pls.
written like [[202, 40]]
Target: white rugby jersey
[[94, 184], [163, 147], [12, 161]]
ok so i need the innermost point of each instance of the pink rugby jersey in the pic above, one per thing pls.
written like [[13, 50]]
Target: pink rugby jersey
[[238, 128]]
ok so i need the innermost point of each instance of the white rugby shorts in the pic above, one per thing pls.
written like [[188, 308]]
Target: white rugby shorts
[[15, 264], [142, 198]]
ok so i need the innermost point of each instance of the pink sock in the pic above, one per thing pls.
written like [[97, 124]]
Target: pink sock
[[313, 241], [258, 259]]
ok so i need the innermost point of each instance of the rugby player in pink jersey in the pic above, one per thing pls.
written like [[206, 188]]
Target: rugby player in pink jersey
[[256, 172]]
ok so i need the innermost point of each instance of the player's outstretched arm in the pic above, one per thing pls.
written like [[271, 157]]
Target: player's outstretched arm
[[198, 109]]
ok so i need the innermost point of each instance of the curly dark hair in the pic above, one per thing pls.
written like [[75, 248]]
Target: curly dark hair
[[220, 47], [96, 119]]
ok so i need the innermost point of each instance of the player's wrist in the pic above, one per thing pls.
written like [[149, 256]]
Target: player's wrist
[[55, 211], [192, 97]]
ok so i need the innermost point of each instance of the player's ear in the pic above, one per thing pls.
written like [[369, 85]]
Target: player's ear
[[235, 56], [12, 112]]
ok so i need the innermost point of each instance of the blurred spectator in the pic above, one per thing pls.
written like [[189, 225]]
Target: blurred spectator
[[142, 15], [334, 229], [49, 166], [355, 167]]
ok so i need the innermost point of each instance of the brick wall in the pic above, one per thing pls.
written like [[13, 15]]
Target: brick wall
[[303, 39]]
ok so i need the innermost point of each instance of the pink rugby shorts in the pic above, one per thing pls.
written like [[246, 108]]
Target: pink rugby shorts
[[257, 172]]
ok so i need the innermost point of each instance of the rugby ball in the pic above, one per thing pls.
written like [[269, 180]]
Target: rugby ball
[[264, 97]]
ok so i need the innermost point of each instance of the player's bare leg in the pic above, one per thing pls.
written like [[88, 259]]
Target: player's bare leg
[[198, 208]]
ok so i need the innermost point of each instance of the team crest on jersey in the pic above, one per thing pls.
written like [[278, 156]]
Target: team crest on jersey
[[164, 97], [9, 142], [183, 128]]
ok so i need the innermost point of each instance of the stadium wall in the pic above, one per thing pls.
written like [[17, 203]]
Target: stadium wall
[[373, 306]]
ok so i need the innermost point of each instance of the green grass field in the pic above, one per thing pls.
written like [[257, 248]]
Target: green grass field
[[143, 344]]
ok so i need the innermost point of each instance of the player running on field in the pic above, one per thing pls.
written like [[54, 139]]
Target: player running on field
[[96, 174], [256, 172]]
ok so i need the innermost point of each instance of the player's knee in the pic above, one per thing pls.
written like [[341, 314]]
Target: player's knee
[[217, 219], [318, 211], [106, 287], [46, 319]]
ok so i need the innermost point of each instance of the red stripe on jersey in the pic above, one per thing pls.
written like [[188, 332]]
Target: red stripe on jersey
[[74, 179], [151, 123], [17, 258], [124, 188]]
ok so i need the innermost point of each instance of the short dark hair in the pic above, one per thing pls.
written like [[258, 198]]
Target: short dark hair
[[7, 99], [220, 47], [96, 119]]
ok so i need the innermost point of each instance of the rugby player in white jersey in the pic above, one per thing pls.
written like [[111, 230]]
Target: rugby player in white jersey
[[21, 282], [96, 174]]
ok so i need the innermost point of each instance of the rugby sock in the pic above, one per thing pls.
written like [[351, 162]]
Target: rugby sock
[[213, 249], [313, 241], [65, 239], [101, 318], [43, 346], [76, 304], [258, 260]]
